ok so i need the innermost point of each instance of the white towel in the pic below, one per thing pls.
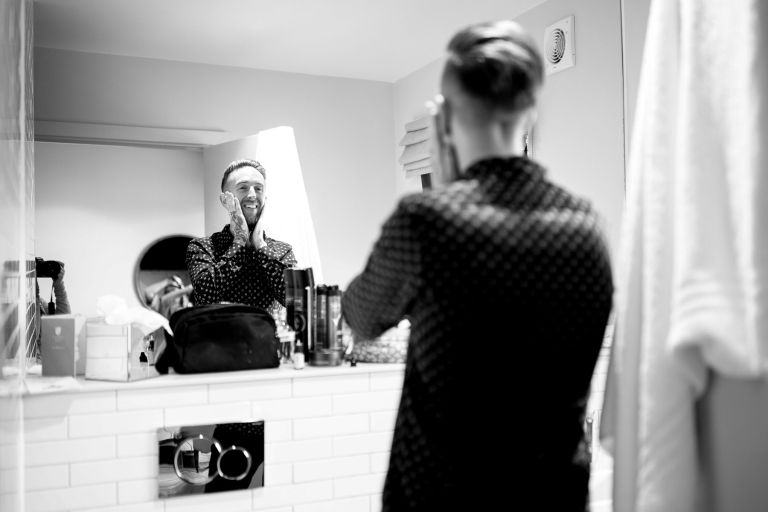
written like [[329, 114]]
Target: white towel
[[693, 266]]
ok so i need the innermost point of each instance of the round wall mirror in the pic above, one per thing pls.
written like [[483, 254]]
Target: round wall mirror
[[161, 279]]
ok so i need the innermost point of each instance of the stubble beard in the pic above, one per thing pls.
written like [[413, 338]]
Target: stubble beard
[[251, 222]]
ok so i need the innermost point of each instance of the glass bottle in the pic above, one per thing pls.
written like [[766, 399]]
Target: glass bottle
[[298, 355]]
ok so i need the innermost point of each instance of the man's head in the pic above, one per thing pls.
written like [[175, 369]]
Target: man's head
[[246, 180], [493, 74]]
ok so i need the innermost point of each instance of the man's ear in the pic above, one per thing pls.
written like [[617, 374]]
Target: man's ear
[[221, 200]]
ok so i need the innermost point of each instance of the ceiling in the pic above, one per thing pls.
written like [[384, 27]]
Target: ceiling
[[382, 40]]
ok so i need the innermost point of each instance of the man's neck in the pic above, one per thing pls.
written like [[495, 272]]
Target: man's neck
[[490, 141]]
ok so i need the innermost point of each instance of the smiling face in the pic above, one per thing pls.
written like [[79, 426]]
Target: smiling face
[[247, 185]]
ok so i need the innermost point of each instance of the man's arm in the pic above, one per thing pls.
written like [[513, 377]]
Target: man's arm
[[211, 276], [60, 294], [274, 259], [381, 295]]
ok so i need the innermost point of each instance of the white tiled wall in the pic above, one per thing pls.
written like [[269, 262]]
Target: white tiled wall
[[327, 443]]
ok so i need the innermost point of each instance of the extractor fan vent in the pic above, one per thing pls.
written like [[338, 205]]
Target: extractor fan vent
[[558, 45]]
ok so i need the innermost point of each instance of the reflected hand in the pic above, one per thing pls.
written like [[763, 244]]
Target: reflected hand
[[257, 237], [59, 278], [237, 224], [441, 149]]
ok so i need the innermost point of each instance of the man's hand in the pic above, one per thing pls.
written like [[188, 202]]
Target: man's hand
[[237, 224], [257, 237], [60, 278]]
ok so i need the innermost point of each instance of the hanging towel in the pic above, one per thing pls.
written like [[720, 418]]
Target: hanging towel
[[693, 263]]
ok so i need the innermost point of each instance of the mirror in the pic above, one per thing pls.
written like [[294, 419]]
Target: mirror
[[161, 279]]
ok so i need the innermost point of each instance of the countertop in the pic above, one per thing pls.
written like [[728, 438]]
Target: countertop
[[36, 384]]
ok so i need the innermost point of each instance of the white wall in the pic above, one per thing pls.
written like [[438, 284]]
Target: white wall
[[343, 128], [98, 206], [579, 136]]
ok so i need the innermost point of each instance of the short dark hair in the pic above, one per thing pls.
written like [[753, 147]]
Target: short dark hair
[[496, 63], [237, 164]]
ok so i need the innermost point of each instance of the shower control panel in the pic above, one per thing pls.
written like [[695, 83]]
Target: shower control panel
[[210, 458]]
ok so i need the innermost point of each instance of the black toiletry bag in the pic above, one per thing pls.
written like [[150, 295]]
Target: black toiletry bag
[[220, 338]]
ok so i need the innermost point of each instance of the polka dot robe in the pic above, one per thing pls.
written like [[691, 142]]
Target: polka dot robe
[[221, 272], [507, 282]]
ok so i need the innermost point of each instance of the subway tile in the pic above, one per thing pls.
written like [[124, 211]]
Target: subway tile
[[231, 501], [71, 498], [363, 443], [379, 462], [59, 405], [10, 408], [358, 485], [134, 445], [11, 455], [331, 426], [148, 506], [389, 380], [383, 421], [71, 450], [294, 451], [131, 399], [88, 425], [278, 474], [358, 504], [113, 470], [322, 386], [255, 391], [40, 478], [45, 429], [207, 414], [137, 491], [366, 402], [296, 407], [35, 479], [323, 469], [294, 494], [11, 502], [9, 432], [10, 479], [376, 502], [277, 431]]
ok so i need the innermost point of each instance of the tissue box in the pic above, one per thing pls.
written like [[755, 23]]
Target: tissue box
[[62, 343], [114, 352]]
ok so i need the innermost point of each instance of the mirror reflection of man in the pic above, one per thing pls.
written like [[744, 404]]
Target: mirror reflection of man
[[58, 303], [240, 263]]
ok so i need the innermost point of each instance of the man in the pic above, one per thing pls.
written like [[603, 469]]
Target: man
[[59, 302], [507, 283], [240, 263]]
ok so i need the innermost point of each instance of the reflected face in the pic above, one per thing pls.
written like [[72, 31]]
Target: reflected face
[[248, 185]]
